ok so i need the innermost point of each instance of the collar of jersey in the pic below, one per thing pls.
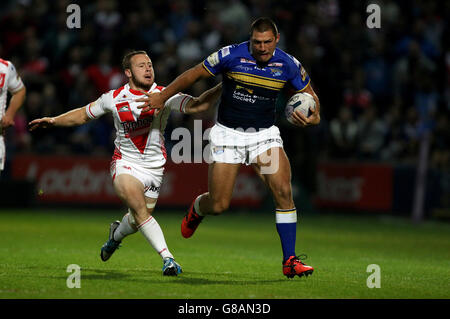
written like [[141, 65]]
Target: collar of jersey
[[136, 92]]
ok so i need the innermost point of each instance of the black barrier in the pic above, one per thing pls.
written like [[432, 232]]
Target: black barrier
[[403, 190], [17, 193]]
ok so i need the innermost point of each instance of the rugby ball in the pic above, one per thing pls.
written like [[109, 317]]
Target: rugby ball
[[299, 101]]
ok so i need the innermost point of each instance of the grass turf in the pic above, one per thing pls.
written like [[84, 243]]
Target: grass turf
[[237, 255]]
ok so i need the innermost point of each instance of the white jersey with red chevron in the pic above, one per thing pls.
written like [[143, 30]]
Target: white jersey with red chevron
[[9, 81], [139, 135]]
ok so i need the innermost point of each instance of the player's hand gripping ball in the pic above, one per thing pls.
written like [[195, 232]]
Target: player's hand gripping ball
[[303, 102]]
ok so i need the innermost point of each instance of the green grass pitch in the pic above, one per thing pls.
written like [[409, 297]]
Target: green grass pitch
[[233, 256]]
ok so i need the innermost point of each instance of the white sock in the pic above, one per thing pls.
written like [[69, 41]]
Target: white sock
[[154, 235], [125, 228], [197, 205]]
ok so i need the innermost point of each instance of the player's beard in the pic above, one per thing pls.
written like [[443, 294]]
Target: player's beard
[[140, 84]]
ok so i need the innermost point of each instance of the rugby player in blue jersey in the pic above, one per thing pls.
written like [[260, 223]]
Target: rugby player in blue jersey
[[254, 72]]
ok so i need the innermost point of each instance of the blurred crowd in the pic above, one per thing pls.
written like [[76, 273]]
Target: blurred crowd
[[381, 90]]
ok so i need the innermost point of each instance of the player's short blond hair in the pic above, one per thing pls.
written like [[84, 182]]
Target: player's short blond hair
[[126, 61]]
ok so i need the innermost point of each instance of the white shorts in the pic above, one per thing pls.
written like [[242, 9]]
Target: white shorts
[[2, 153], [241, 147], [151, 178]]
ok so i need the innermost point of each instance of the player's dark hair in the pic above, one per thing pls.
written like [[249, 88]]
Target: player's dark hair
[[126, 62], [264, 24]]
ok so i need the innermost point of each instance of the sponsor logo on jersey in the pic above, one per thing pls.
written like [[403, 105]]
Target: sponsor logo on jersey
[[2, 79], [244, 60], [213, 59], [131, 127], [277, 64], [245, 68], [276, 72], [244, 97], [124, 108], [225, 51]]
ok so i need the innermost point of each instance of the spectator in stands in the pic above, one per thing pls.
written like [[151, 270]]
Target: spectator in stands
[[103, 74], [343, 134], [107, 20], [372, 67], [190, 47], [405, 72], [35, 66], [395, 143], [357, 97], [74, 67], [371, 134]]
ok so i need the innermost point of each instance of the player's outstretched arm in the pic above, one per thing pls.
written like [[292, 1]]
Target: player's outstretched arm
[[74, 117], [314, 118], [182, 82], [206, 100]]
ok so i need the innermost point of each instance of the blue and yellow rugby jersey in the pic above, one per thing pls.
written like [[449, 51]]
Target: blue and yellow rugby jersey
[[249, 90]]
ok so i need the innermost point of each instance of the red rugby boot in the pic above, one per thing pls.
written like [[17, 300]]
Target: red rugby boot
[[293, 266], [190, 222]]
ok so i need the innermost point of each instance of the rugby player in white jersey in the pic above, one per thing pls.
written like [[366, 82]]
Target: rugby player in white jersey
[[253, 73], [138, 160], [10, 82]]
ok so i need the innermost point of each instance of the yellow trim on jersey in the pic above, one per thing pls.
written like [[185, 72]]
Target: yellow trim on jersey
[[206, 68], [259, 76], [290, 211], [307, 84], [256, 80]]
